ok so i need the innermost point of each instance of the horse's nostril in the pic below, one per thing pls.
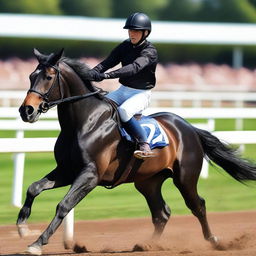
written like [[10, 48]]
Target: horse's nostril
[[29, 110]]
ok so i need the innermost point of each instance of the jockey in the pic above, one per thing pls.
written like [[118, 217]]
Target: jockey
[[136, 76]]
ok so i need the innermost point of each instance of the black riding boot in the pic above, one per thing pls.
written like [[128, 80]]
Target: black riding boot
[[136, 131]]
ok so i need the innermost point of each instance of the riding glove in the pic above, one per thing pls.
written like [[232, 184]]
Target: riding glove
[[94, 75]]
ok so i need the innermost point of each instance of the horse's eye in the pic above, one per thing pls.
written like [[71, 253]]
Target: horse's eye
[[49, 78]]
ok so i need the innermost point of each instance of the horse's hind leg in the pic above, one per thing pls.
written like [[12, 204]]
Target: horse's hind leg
[[185, 178], [50, 181], [151, 189]]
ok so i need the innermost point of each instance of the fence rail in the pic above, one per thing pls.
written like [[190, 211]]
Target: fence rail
[[172, 98], [186, 112], [196, 99]]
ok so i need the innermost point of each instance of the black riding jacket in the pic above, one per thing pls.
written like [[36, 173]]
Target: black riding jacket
[[138, 64]]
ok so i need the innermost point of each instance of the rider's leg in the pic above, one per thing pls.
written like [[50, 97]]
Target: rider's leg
[[135, 130], [133, 101], [133, 105]]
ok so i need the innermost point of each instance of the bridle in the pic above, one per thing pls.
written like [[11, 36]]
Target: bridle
[[47, 104]]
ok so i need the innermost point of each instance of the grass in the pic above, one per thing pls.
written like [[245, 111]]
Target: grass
[[221, 192]]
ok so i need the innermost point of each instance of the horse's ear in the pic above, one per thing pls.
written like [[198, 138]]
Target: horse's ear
[[61, 52], [37, 54], [56, 57]]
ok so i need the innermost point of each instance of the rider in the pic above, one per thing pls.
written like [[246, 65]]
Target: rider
[[136, 76]]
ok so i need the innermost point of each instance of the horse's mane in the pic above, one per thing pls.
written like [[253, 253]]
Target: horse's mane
[[82, 70]]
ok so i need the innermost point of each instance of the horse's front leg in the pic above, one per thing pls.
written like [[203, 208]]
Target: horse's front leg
[[83, 184], [50, 181]]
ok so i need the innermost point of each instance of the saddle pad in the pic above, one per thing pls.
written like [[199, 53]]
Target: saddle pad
[[156, 136]]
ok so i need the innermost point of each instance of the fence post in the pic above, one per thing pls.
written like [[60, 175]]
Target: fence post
[[18, 172], [205, 170], [68, 230]]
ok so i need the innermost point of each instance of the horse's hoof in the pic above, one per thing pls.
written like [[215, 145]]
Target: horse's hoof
[[147, 246], [140, 247], [213, 240], [23, 230], [34, 250], [216, 243]]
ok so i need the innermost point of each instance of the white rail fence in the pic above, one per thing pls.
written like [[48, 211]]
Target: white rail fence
[[175, 99], [198, 98], [172, 98], [20, 145]]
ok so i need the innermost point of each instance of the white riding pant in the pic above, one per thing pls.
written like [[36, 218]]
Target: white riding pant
[[130, 101]]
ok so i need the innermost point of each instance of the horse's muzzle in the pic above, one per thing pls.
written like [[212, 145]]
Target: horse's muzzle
[[29, 114]]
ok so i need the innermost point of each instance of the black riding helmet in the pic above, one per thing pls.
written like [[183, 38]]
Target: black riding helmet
[[139, 21]]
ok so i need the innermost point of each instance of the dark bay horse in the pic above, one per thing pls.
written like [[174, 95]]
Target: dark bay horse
[[90, 151]]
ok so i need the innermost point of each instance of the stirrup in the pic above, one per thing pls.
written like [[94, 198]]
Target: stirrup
[[143, 155]]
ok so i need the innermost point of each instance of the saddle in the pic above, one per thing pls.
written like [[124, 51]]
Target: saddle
[[157, 137]]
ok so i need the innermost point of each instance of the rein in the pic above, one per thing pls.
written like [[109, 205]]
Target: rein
[[46, 104], [72, 98]]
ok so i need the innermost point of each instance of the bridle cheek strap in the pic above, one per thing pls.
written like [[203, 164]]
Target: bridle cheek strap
[[56, 82], [46, 104]]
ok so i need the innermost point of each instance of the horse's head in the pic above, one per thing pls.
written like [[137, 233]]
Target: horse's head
[[44, 86]]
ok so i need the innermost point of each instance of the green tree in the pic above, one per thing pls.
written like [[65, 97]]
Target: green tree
[[30, 6], [180, 10], [253, 2], [124, 8], [91, 8], [241, 11]]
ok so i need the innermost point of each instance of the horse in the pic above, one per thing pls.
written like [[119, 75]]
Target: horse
[[90, 150]]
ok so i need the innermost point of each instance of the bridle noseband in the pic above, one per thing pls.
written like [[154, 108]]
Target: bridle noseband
[[47, 104]]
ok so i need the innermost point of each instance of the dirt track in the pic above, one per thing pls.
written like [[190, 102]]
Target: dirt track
[[117, 237]]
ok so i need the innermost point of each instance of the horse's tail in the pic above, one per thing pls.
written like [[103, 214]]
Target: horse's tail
[[226, 157]]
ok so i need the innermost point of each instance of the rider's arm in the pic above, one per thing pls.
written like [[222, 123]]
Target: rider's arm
[[112, 60], [147, 57]]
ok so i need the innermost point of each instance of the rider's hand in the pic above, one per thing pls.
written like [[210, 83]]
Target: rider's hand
[[94, 75]]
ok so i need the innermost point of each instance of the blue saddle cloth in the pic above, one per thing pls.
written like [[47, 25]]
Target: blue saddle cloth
[[155, 133]]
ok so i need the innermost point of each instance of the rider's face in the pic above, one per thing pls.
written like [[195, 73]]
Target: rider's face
[[135, 35]]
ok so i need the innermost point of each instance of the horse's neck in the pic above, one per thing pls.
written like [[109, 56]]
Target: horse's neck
[[72, 83], [74, 116], [84, 115]]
